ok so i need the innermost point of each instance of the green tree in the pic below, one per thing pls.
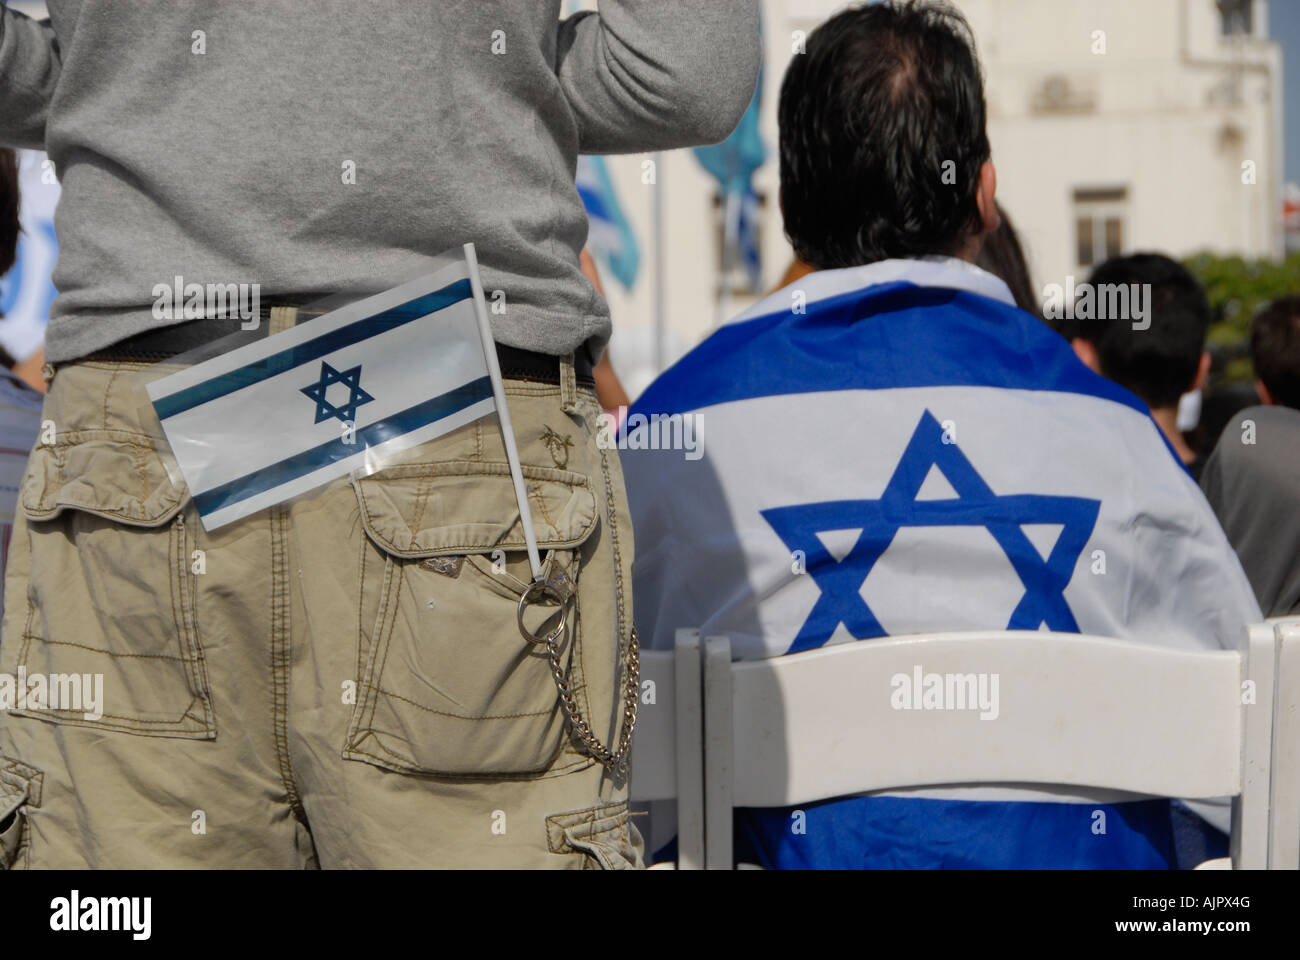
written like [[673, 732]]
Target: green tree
[[1237, 288]]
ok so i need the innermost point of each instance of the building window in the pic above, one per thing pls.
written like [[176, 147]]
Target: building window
[[1099, 219], [1236, 17]]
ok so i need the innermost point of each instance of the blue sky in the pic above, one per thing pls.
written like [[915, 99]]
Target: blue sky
[[1284, 25]]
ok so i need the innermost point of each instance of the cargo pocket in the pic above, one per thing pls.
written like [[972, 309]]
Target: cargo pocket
[[604, 835], [446, 683], [20, 790], [110, 624]]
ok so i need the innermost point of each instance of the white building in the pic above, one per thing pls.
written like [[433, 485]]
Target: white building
[[1116, 125]]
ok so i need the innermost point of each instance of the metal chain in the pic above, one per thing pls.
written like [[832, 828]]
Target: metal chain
[[559, 588], [615, 761]]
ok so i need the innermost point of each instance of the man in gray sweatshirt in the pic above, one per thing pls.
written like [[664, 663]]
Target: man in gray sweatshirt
[[338, 680]]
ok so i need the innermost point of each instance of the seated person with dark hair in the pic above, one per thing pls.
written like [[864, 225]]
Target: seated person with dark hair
[[893, 447], [1252, 479], [1161, 361], [1275, 351]]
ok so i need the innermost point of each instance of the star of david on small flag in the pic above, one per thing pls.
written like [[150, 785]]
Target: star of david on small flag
[[839, 581], [356, 397], [244, 438]]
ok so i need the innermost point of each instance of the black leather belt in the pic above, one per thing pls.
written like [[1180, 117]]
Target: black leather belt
[[153, 346]]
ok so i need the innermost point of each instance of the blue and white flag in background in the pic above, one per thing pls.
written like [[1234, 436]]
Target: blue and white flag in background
[[897, 449], [609, 235], [27, 290], [276, 418], [733, 163], [748, 250]]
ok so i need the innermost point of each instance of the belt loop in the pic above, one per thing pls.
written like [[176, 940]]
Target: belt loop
[[568, 384], [282, 318]]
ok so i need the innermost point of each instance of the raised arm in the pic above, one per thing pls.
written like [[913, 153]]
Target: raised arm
[[659, 74], [29, 70]]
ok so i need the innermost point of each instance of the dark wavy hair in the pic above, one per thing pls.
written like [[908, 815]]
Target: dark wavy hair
[[885, 97], [8, 209], [1275, 349], [1158, 363]]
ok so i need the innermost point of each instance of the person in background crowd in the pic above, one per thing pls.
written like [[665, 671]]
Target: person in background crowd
[[1003, 257], [31, 370], [1275, 352], [20, 405], [883, 438], [1220, 404], [1159, 362], [609, 389], [1252, 479]]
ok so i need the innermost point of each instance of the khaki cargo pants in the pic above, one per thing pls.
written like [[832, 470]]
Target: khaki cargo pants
[[338, 681]]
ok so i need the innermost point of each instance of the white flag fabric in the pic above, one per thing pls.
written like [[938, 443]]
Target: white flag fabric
[[896, 449], [276, 418]]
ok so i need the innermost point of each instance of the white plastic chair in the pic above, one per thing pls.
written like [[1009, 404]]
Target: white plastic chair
[[1284, 850], [1074, 710], [667, 761]]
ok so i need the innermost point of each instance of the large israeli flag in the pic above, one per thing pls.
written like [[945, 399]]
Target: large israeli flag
[[276, 418], [896, 449]]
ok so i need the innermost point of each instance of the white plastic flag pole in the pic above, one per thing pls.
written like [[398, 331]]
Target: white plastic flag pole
[[503, 411]]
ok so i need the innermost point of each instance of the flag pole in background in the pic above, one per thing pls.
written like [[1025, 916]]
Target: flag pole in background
[[730, 243], [659, 288], [503, 411]]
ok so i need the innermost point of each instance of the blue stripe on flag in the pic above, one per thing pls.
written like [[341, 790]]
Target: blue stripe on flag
[[927, 833], [325, 344], [308, 461], [889, 336]]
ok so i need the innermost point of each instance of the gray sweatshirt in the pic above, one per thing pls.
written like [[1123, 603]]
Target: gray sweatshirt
[[461, 120], [1252, 481]]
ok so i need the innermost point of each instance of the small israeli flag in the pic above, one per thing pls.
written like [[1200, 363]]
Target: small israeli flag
[[339, 393]]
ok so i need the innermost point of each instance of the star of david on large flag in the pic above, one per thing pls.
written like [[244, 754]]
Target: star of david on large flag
[[839, 581], [356, 396]]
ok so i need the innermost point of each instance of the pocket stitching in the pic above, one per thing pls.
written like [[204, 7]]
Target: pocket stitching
[[614, 817], [421, 501], [78, 719], [29, 784], [362, 727], [363, 712], [456, 716], [190, 657], [31, 779], [187, 626], [453, 469], [138, 444]]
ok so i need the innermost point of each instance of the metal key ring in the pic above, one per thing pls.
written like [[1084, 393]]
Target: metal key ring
[[543, 589]]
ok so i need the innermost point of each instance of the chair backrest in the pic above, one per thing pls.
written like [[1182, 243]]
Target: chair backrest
[[1284, 848], [667, 761], [990, 707]]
